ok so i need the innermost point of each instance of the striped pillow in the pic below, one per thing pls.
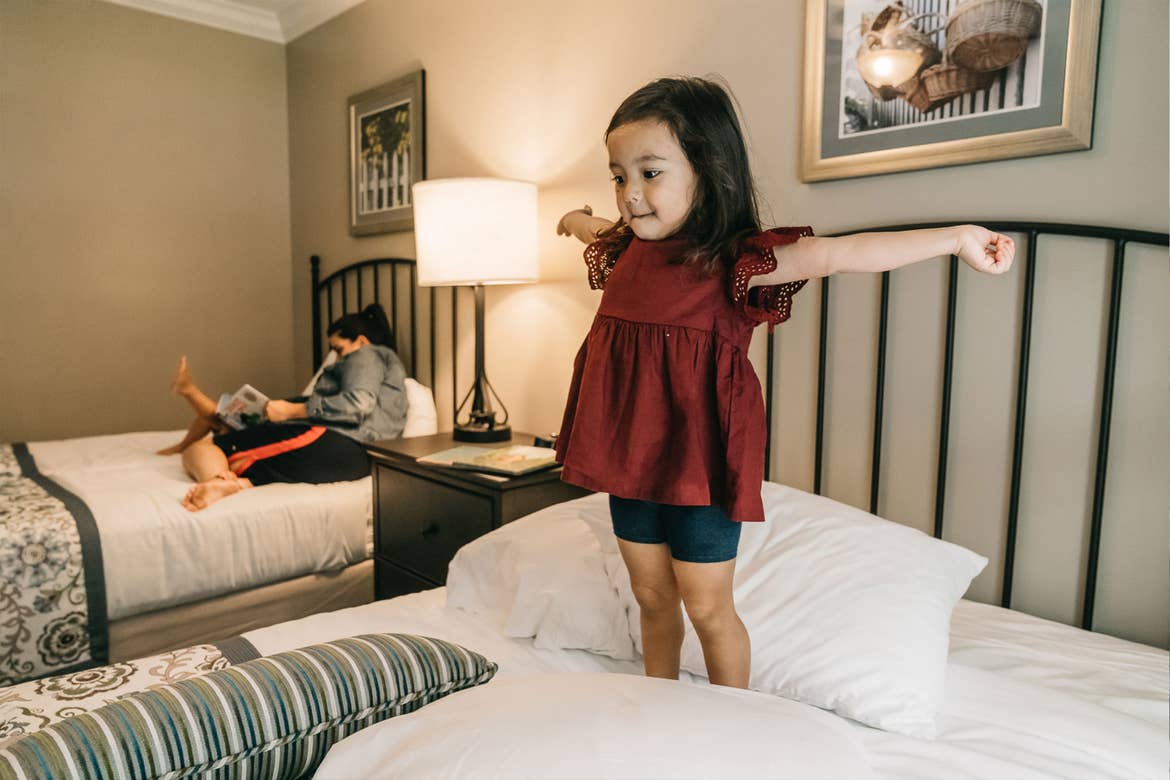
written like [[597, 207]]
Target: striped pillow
[[273, 717]]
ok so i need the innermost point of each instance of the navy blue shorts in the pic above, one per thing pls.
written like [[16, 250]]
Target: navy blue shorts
[[696, 534]]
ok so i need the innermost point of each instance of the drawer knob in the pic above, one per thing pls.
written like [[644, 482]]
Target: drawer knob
[[430, 530]]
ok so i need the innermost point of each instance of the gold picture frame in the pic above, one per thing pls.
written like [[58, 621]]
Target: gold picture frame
[[843, 137]]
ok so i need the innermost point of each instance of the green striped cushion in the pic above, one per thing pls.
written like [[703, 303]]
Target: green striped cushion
[[273, 717]]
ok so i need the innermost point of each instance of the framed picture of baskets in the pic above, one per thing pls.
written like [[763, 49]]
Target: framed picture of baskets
[[899, 85]]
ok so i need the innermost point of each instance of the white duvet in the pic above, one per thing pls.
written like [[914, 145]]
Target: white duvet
[[1024, 698], [604, 725], [156, 554]]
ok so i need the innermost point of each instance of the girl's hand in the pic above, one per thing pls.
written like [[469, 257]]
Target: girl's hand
[[578, 223], [984, 250]]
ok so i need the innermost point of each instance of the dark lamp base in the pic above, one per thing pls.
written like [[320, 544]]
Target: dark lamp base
[[482, 433]]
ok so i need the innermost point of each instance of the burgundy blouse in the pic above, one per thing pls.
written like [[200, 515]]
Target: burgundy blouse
[[664, 405]]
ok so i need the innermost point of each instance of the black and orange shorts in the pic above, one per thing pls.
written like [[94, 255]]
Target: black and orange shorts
[[293, 452]]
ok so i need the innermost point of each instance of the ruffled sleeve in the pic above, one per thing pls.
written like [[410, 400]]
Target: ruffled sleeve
[[599, 261], [602, 255], [768, 303]]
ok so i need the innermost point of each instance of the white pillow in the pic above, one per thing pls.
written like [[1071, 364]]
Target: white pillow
[[577, 725], [422, 419], [542, 576], [845, 610]]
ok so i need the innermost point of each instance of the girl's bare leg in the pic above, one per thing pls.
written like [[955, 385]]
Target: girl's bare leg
[[200, 427], [204, 407], [208, 466], [183, 385], [707, 594], [655, 589]]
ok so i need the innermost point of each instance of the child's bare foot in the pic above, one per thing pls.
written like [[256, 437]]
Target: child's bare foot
[[207, 493], [181, 383]]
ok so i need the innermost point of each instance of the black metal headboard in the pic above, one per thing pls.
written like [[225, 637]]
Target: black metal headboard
[[387, 281], [350, 288], [1030, 233]]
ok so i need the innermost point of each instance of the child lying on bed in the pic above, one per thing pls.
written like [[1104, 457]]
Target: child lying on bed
[[359, 398]]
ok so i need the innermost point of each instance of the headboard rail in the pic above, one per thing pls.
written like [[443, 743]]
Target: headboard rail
[[1118, 240], [336, 287]]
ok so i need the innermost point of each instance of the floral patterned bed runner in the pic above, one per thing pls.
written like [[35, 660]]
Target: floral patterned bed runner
[[33, 705], [52, 595]]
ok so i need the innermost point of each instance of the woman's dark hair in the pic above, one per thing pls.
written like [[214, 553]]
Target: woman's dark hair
[[702, 117], [370, 322]]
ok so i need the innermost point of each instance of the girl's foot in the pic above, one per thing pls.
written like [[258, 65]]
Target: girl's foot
[[207, 493], [181, 383]]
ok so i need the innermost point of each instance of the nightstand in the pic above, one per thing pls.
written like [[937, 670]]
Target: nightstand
[[423, 513]]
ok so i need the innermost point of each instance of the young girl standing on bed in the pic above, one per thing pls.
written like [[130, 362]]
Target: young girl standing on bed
[[664, 410]]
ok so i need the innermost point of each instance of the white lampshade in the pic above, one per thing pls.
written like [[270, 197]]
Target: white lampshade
[[475, 231]]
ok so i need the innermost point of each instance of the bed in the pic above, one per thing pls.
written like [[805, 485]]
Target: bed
[[867, 659], [101, 563]]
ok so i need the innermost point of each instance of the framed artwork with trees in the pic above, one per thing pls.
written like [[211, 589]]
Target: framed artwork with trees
[[387, 154]]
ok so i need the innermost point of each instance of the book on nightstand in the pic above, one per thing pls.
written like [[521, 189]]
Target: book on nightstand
[[511, 461]]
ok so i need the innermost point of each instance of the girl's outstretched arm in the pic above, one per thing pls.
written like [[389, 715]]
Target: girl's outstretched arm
[[582, 224], [813, 257]]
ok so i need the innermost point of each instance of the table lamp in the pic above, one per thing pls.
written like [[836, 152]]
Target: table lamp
[[476, 232]]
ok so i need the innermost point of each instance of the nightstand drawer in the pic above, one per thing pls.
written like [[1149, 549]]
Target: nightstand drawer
[[421, 527], [391, 581]]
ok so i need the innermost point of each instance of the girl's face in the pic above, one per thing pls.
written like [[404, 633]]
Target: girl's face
[[343, 346], [653, 181]]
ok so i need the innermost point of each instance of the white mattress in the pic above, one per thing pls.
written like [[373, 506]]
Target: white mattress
[[156, 554], [1025, 697]]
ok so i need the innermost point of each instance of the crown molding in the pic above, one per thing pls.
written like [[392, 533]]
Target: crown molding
[[303, 15], [294, 20], [222, 14]]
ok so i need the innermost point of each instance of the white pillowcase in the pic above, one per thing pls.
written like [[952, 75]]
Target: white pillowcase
[[575, 725], [845, 610], [422, 419], [542, 576]]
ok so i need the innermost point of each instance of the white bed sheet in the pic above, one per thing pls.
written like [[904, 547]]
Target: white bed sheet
[[156, 554], [1025, 697]]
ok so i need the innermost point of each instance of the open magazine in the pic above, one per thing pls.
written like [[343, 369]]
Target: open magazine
[[243, 408]]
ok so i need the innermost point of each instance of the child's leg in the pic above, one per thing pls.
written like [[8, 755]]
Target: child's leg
[[204, 407], [704, 543], [183, 385], [653, 582], [208, 466], [707, 594], [200, 427]]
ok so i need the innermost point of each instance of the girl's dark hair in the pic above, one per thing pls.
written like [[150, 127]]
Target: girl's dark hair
[[370, 322], [702, 117]]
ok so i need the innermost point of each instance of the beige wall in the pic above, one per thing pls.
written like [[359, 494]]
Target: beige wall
[[524, 89], [143, 213], [145, 184]]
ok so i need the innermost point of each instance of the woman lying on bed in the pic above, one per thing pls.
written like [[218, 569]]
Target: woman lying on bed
[[359, 398]]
